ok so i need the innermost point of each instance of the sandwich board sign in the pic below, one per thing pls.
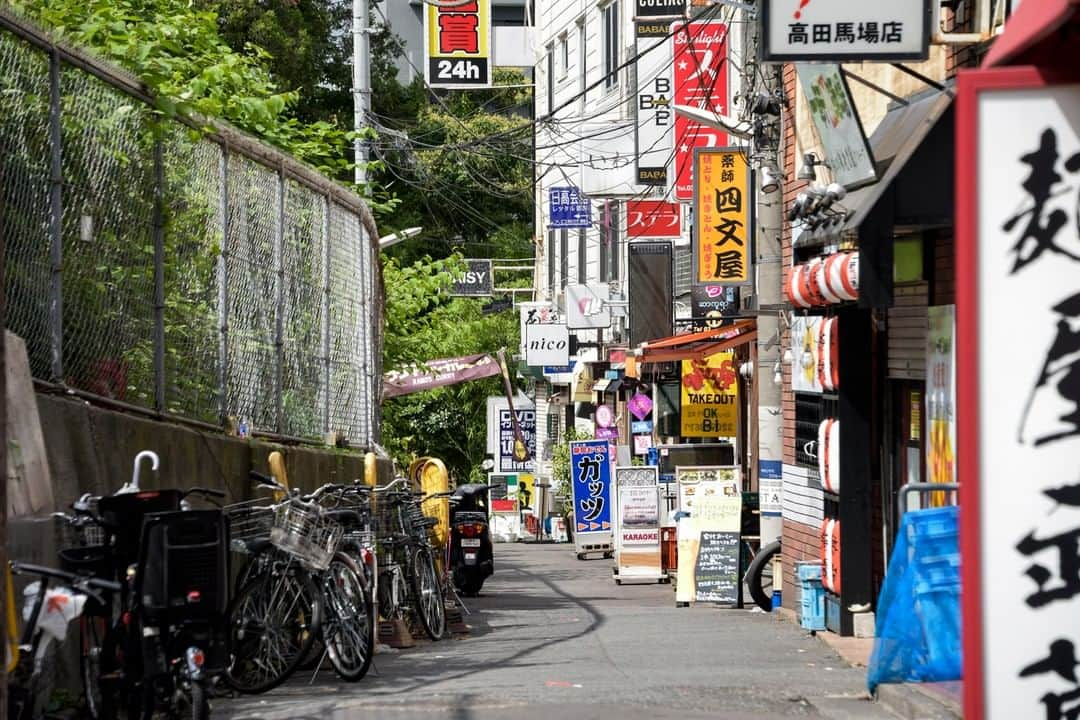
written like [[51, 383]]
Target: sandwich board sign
[[637, 524], [590, 474]]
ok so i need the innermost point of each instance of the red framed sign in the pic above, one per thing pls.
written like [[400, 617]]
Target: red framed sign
[[1018, 391], [653, 219], [701, 80]]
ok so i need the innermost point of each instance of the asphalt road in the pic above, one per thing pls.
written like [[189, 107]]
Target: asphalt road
[[553, 638]]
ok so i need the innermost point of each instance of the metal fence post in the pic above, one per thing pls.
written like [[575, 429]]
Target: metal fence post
[[279, 304], [159, 276], [223, 286], [56, 210], [326, 316]]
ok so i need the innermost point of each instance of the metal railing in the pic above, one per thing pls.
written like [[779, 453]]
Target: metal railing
[[192, 273]]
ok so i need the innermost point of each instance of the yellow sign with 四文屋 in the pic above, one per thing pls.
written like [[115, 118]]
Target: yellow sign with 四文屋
[[710, 397], [722, 202]]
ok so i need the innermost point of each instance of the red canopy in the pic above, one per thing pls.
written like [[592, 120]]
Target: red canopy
[[1029, 37]]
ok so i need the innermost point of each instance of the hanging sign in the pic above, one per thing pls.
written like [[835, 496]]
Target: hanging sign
[[653, 107], [711, 304], [710, 397], [640, 406], [637, 523], [723, 218], [701, 80], [476, 281], [567, 209], [1018, 136], [660, 8], [845, 31], [436, 373], [547, 344], [653, 219], [458, 46], [837, 124], [587, 306]]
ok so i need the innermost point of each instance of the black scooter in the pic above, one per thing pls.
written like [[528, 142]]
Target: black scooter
[[471, 551]]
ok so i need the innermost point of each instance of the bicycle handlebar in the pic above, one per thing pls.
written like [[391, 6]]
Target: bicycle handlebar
[[79, 581]]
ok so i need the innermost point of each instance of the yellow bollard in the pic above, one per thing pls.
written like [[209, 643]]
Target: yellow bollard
[[277, 469]]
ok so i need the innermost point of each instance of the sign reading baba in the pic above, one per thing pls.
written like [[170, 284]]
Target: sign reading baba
[[710, 396], [458, 46]]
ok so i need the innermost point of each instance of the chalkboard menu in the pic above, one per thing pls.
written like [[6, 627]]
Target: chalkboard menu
[[716, 573]]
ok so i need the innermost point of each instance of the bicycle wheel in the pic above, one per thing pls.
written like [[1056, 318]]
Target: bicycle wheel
[[427, 594], [92, 635], [348, 632], [759, 576], [272, 625]]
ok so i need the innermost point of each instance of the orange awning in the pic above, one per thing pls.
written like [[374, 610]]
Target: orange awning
[[699, 345]]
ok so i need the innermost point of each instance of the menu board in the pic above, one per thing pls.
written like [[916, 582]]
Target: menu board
[[716, 572]]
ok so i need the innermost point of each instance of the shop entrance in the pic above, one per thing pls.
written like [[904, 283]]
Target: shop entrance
[[908, 398]]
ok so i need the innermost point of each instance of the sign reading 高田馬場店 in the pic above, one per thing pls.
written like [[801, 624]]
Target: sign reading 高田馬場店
[[1018, 419], [845, 31]]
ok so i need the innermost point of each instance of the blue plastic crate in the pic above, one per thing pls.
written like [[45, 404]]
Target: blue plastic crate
[[809, 570], [812, 605]]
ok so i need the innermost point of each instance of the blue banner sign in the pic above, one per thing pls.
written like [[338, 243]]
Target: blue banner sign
[[590, 471], [557, 369], [641, 426], [567, 209]]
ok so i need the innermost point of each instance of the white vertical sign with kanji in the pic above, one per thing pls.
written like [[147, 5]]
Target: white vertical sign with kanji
[[1018, 376]]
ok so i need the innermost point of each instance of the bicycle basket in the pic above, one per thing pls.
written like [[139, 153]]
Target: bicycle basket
[[250, 519], [305, 534]]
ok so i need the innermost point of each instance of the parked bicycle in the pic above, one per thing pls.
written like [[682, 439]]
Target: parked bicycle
[[408, 581]]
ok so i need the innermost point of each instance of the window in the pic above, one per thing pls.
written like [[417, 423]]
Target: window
[[582, 67], [551, 262], [550, 79], [582, 257], [564, 257], [609, 33], [564, 56]]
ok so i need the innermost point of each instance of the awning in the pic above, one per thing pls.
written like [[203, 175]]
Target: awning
[[607, 385], [893, 143], [1031, 36], [699, 345]]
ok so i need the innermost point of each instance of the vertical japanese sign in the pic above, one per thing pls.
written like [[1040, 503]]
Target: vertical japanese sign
[[701, 80], [527, 422], [567, 209], [723, 196], [1017, 184], [590, 473], [653, 219], [941, 397], [458, 45], [654, 114], [710, 396], [637, 520]]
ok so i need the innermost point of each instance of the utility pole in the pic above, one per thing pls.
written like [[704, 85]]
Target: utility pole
[[770, 303], [361, 85]]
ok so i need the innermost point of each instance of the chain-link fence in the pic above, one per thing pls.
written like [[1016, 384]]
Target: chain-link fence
[[201, 275]]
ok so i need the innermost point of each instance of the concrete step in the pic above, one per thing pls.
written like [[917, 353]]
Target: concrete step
[[923, 701]]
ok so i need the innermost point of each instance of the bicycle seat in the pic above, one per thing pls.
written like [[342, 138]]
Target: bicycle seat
[[345, 516]]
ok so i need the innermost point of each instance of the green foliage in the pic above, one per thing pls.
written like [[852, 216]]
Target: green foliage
[[560, 468], [176, 48]]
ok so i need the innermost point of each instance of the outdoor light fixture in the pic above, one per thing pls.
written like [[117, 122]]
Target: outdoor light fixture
[[810, 161], [765, 104], [716, 121], [747, 369], [778, 376], [789, 357], [770, 182], [394, 238]]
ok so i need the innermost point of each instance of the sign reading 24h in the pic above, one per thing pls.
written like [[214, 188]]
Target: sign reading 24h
[[458, 44], [567, 209], [590, 472]]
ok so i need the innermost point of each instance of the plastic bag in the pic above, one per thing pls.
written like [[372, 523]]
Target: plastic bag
[[61, 606], [918, 623]]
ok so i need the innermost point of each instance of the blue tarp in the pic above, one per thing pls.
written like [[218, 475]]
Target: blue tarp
[[918, 611]]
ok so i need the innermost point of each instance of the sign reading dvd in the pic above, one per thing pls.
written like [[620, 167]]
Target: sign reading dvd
[[458, 44]]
